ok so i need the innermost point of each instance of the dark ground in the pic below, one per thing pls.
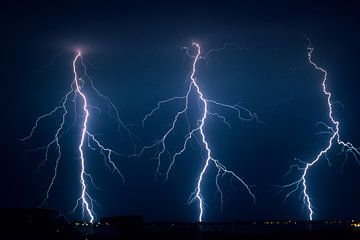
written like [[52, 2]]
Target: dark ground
[[50, 224]]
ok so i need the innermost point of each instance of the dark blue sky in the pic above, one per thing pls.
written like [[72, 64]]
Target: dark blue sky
[[134, 57]]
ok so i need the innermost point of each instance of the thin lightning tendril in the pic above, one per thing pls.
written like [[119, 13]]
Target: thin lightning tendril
[[85, 200], [161, 144], [334, 132]]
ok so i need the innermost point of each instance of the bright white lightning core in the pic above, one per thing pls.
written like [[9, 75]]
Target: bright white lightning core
[[198, 133], [334, 132], [87, 138]]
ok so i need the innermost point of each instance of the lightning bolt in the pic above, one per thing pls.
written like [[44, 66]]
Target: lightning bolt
[[87, 139], [197, 133], [334, 132]]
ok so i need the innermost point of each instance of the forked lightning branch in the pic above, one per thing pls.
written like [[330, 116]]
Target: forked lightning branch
[[77, 96], [198, 133]]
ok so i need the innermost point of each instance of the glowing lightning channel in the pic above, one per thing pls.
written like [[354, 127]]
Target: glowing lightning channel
[[199, 129], [87, 202], [84, 193], [334, 131]]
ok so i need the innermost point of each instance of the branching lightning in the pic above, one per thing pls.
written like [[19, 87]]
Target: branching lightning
[[197, 133], [333, 131], [77, 95]]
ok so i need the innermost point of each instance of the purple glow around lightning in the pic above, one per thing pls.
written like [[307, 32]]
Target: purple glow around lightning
[[87, 139], [334, 132], [197, 133]]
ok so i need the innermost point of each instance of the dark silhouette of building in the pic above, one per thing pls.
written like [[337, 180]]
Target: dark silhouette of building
[[125, 226], [34, 224]]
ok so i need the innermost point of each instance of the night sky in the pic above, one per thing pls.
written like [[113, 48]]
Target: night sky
[[133, 53]]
